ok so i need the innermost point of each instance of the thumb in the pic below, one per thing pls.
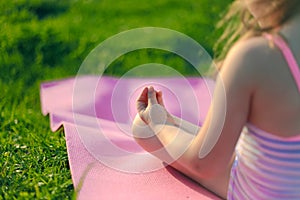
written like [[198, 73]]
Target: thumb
[[152, 96]]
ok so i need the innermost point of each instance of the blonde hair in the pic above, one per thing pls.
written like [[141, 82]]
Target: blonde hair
[[239, 24]]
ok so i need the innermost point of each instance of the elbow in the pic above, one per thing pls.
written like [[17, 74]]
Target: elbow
[[205, 168]]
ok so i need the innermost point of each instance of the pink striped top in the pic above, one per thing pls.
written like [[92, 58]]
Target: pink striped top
[[267, 166]]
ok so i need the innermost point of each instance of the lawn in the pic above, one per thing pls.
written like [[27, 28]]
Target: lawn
[[42, 40]]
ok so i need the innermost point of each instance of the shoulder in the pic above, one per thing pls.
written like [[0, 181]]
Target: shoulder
[[249, 59], [256, 50]]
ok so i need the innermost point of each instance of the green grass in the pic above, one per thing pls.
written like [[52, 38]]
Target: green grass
[[47, 40]]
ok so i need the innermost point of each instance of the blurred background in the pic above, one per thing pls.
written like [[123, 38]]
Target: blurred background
[[44, 40]]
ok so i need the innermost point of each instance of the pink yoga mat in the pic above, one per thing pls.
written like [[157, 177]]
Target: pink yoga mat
[[105, 161]]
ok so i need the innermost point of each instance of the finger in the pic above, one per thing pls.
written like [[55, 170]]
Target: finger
[[151, 96], [142, 100], [144, 95], [159, 98]]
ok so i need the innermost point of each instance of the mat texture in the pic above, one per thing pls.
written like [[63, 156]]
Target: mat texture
[[105, 162]]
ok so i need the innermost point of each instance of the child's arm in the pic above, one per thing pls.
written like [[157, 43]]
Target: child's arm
[[142, 132], [185, 132], [209, 154]]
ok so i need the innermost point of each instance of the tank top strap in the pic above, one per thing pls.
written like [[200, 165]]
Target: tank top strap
[[288, 55]]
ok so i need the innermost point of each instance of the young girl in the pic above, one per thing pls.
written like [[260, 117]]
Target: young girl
[[249, 144]]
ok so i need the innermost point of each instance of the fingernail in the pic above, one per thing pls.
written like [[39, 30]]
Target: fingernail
[[151, 89]]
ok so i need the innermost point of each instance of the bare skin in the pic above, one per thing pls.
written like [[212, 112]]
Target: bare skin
[[254, 86]]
